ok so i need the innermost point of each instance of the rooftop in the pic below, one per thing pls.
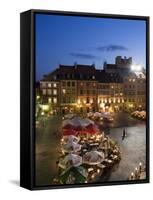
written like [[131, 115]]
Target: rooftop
[[81, 72]]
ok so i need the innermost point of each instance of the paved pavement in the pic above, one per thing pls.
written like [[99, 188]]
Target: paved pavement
[[133, 147], [47, 147]]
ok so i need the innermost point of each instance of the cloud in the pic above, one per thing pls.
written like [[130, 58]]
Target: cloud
[[84, 56], [112, 48]]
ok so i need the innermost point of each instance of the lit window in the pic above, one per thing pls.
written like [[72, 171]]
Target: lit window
[[44, 91], [91, 100], [79, 101], [112, 86], [55, 92], [54, 85], [64, 91], [49, 100], [54, 100], [49, 85], [93, 77], [134, 80]]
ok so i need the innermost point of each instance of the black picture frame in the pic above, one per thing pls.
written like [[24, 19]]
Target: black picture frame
[[27, 98]]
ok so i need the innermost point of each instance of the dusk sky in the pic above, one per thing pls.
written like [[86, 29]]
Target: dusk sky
[[86, 40]]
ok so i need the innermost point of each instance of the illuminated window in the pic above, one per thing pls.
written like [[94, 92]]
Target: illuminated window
[[79, 101], [91, 100], [134, 80], [49, 100], [54, 100], [49, 85], [93, 77], [44, 91], [55, 92], [54, 85], [64, 91]]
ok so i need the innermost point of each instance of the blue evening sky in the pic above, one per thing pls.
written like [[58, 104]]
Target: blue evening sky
[[86, 40]]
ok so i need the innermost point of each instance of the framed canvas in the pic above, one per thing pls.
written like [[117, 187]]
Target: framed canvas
[[84, 99]]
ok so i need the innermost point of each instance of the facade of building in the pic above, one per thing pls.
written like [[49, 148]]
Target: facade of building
[[135, 91], [110, 91], [83, 88]]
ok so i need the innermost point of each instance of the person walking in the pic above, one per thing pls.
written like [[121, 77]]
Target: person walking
[[124, 134]]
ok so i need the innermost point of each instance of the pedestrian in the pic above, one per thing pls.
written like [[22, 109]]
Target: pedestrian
[[124, 134]]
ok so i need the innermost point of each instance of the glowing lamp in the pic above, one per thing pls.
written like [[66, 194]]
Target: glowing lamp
[[136, 67]]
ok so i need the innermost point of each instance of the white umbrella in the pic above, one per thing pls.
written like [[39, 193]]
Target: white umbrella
[[90, 114], [87, 121], [66, 121], [77, 121], [97, 114], [72, 147], [72, 160], [69, 116], [93, 157], [71, 138], [81, 122]]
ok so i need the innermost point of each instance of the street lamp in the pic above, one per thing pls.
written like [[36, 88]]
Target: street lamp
[[136, 67]]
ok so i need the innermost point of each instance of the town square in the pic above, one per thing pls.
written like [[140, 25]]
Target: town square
[[90, 101]]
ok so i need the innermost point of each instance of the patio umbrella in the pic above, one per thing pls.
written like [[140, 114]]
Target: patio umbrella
[[71, 147], [74, 175], [86, 122], [71, 138], [68, 126], [90, 114], [72, 160], [92, 129], [69, 116], [97, 114], [76, 122], [67, 121], [69, 132], [93, 157]]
